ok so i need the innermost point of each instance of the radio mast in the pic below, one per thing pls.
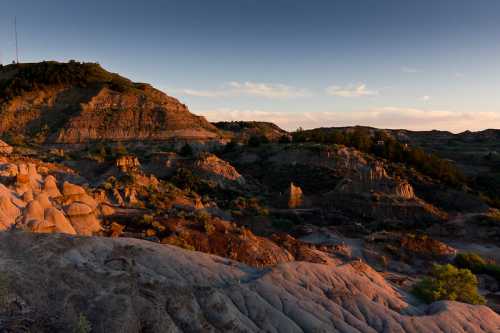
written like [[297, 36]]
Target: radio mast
[[15, 33]]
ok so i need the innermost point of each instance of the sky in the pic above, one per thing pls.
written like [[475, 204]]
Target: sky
[[427, 64]]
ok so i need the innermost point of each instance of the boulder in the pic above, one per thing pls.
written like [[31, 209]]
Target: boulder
[[83, 219], [43, 199], [33, 212], [28, 196], [8, 212], [50, 186], [218, 170], [55, 217], [88, 200], [5, 148], [72, 189]]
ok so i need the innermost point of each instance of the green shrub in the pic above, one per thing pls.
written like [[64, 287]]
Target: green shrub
[[477, 264], [471, 261], [202, 216], [82, 325], [209, 227], [147, 219], [120, 150], [447, 282]]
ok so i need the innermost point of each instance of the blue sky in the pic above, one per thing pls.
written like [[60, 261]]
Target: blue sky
[[399, 64]]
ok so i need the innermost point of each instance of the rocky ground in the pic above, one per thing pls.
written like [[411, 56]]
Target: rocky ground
[[126, 285]]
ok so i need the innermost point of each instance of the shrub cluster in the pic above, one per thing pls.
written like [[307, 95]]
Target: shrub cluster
[[477, 264], [447, 282]]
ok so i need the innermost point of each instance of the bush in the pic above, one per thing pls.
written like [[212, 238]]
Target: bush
[[186, 150], [257, 140], [447, 282], [284, 139], [120, 150], [471, 261], [82, 325], [477, 264]]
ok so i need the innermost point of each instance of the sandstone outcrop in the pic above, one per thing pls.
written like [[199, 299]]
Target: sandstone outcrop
[[220, 171], [5, 148], [83, 219], [128, 163], [33, 203], [165, 288], [295, 196]]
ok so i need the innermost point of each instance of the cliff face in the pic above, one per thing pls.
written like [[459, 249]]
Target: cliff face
[[77, 103]]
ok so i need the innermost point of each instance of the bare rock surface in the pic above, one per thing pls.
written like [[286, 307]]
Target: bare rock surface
[[295, 196], [5, 148], [127, 285], [218, 170]]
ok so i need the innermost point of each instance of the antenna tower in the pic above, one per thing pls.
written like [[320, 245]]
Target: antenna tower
[[15, 33]]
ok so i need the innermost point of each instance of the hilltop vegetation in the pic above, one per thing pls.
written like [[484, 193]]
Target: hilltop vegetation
[[385, 146], [22, 78]]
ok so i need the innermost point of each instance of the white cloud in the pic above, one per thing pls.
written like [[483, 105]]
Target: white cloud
[[410, 70], [235, 88], [385, 117], [350, 91], [425, 98], [200, 93]]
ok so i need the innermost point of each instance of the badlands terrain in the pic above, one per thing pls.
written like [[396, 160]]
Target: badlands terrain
[[121, 211]]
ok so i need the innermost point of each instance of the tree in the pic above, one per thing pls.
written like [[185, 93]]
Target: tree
[[120, 150], [257, 140], [284, 139], [447, 282], [186, 150]]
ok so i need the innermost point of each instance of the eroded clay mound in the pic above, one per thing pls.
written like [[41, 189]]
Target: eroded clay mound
[[126, 285]]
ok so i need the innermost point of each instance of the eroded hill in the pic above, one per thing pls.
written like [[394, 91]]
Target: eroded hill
[[75, 102]]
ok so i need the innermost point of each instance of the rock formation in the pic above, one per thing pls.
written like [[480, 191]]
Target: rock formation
[[165, 288], [218, 170], [295, 196], [128, 163], [5, 148], [91, 105]]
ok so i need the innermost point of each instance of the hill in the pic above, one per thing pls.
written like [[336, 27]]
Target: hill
[[244, 130], [51, 102]]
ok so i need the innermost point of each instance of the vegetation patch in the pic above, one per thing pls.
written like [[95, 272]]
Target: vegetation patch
[[447, 282]]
